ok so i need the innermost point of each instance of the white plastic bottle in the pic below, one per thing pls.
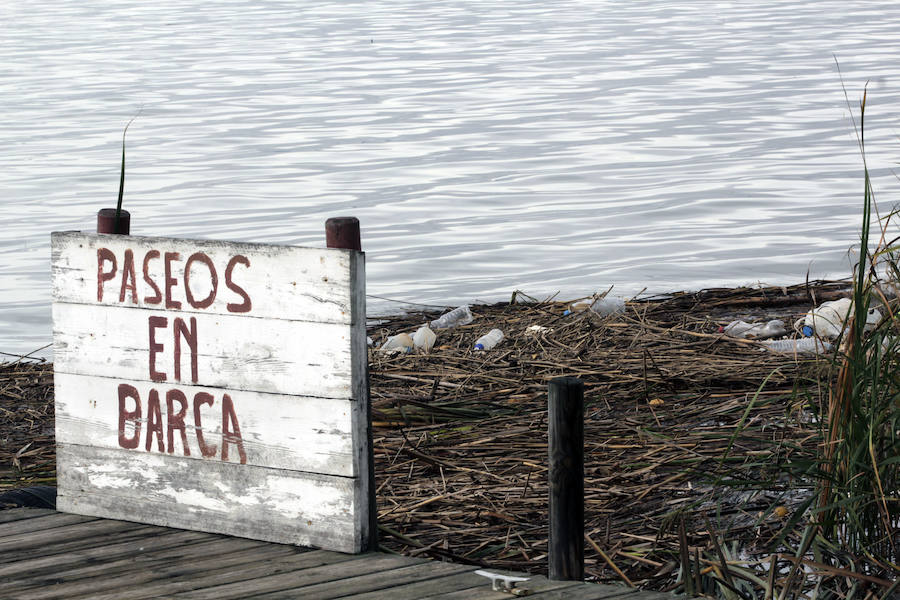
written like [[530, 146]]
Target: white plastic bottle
[[801, 346], [460, 315], [424, 338], [608, 305], [489, 340], [757, 331]]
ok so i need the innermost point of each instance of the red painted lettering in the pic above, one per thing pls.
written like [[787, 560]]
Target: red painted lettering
[[104, 255], [128, 391], [154, 422], [157, 298], [170, 281], [190, 336], [200, 399], [175, 420], [128, 270], [231, 434], [154, 323], [246, 304], [213, 277]]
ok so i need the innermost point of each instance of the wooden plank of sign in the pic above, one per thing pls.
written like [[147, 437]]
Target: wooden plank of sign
[[274, 505], [234, 352], [283, 282], [278, 431]]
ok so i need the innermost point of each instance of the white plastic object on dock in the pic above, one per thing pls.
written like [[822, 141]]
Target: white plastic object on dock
[[461, 315], [504, 583], [424, 338], [757, 331], [799, 346], [489, 340], [398, 343]]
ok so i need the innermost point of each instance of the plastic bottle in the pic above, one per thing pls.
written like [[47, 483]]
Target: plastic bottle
[[489, 340], [758, 331], [799, 346], [424, 338], [608, 305], [460, 315], [398, 343], [829, 319]]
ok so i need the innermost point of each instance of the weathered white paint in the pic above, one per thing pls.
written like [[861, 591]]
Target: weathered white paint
[[297, 433], [284, 282], [293, 367], [234, 351], [275, 505]]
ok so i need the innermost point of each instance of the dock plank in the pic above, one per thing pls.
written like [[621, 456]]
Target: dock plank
[[144, 559], [117, 547], [364, 564], [250, 572], [417, 590], [379, 580], [63, 548], [22, 513], [51, 521], [53, 556]]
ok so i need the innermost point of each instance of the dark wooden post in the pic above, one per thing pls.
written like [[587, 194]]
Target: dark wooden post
[[343, 232], [566, 449], [106, 221]]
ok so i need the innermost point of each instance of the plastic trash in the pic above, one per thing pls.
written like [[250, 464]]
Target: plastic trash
[[829, 319], [424, 338], [607, 305], [398, 343], [460, 315], [489, 340], [799, 346], [757, 331], [535, 330]]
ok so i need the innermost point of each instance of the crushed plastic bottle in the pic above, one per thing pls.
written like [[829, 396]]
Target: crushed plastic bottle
[[607, 305], [489, 340], [799, 346], [398, 343], [461, 315], [757, 331], [828, 320], [424, 338]]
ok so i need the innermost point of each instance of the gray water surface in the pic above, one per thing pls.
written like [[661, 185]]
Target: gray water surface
[[485, 146]]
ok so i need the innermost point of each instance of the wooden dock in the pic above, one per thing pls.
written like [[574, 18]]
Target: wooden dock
[[47, 555]]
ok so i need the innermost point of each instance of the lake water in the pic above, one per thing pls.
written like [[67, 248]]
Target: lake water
[[485, 146]]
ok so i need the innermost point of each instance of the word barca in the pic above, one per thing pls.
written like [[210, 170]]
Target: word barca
[[164, 435]]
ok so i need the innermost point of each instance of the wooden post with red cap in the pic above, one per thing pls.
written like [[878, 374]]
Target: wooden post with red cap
[[106, 221], [343, 232]]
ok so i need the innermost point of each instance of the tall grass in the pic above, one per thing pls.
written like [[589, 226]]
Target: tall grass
[[858, 476], [116, 228]]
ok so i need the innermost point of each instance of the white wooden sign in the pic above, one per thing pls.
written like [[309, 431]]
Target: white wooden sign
[[213, 386]]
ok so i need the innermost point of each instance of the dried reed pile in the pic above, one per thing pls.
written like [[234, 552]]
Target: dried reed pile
[[689, 436], [27, 451]]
